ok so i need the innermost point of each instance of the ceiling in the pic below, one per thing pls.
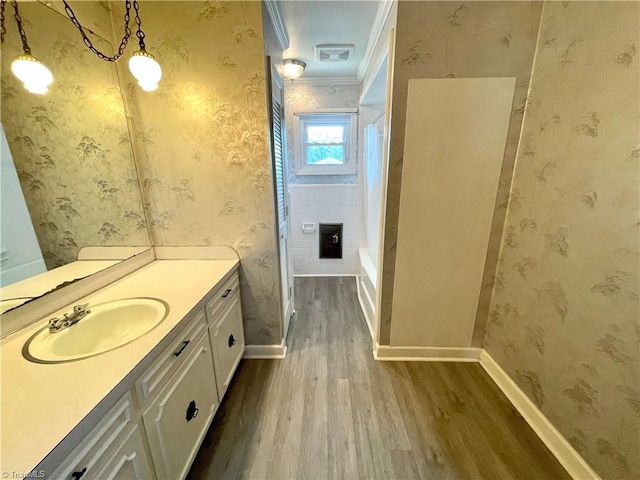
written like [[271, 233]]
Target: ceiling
[[312, 22]]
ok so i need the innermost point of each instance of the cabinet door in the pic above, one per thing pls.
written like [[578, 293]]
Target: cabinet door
[[177, 420], [99, 444], [130, 462], [227, 343]]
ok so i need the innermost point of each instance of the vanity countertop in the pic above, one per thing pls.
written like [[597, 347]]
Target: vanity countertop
[[42, 403]]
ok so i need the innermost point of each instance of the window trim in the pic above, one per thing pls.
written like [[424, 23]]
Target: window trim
[[346, 116]]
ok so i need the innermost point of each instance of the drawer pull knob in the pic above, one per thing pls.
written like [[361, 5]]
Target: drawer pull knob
[[232, 341], [226, 294], [184, 345], [78, 475], [192, 411]]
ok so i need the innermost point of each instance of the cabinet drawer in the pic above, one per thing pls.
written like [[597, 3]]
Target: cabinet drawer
[[222, 297], [129, 462], [227, 343], [158, 373], [178, 418], [103, 439]]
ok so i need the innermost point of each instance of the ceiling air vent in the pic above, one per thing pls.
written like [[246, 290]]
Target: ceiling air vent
[[334, 53]]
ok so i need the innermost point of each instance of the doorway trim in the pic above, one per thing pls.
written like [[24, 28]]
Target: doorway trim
[[286, 303]]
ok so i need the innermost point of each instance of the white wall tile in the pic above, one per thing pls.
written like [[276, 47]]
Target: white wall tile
[[326, 204]]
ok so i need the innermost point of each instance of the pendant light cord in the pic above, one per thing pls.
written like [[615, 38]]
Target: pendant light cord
[[85, 38], [3, 29], [23, 35], [139, 33], [87, 41], [16, 15]]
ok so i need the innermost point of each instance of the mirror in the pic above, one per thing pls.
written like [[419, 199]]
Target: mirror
[[68, 161]]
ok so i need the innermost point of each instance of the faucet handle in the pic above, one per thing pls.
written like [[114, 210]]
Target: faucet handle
[[81, 308], [57, 323]]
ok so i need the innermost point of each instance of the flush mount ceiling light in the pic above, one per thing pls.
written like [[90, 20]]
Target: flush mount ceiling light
[[292, 68], [143, 65], [34, 75]]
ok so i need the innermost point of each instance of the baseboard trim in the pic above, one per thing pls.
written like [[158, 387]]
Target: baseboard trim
[[552, 438], [300, 275], [362, 299], [259, 352], [426, 354]]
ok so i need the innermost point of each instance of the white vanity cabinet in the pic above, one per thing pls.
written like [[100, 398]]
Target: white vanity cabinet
[[154, 431], [113, 449]]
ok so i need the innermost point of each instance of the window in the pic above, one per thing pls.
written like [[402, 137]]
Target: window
[[325, 142]]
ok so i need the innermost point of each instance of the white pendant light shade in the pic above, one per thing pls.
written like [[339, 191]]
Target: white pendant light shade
[[146, 70], [292, 68], [35, 76]]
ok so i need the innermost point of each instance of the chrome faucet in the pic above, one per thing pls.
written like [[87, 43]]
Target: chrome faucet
[[67, 319]]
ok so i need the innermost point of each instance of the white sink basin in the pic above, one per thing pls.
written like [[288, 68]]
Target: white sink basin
[[108, 326], [9, 303]]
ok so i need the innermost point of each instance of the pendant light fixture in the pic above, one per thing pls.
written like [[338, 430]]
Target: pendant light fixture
[[142, 64], [35, 76]]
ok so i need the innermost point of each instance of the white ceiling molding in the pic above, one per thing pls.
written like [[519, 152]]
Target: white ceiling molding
[[326, 110], [327, 81], [278, 26], [376, 31]]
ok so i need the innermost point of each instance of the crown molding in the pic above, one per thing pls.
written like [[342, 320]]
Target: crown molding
[[376, 31], [278, 26], [327, 81]]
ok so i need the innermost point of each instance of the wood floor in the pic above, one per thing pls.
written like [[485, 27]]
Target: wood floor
[[329, 411]]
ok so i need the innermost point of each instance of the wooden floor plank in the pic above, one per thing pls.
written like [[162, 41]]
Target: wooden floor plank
[[330, 411], [341, 438], [404, 465]]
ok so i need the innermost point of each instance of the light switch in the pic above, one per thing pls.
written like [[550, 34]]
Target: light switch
[[308, 228]]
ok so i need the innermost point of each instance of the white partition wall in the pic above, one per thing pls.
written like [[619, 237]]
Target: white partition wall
[[454, 145]]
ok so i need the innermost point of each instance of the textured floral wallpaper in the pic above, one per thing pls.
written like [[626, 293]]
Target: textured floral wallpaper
[[71, 147], [464, 40], [565, 321], [310, 97], [202, 141]]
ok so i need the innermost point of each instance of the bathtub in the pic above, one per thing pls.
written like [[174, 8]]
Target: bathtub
[[367, 288]]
